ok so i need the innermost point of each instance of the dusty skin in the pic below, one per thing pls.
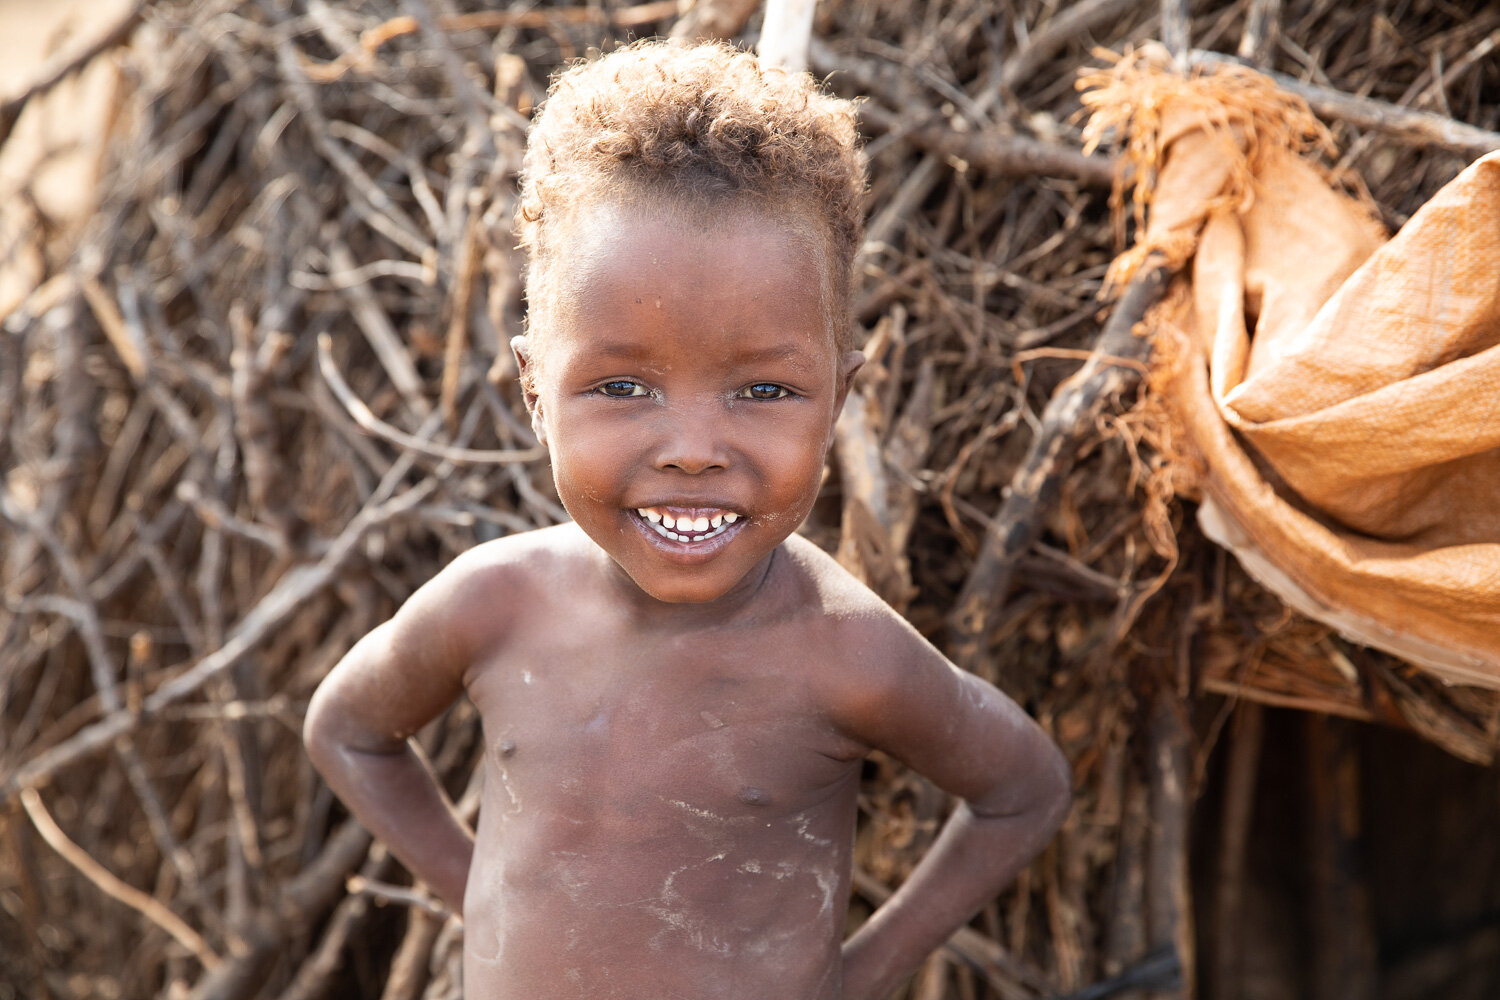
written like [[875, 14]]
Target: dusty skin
[[677, 692]]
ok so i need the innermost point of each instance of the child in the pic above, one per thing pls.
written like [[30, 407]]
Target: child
[[676, 691]]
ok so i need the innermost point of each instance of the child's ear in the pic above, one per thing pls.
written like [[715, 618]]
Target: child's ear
[[849, 366], [521, 348]]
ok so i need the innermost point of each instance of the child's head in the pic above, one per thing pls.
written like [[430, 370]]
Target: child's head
[[690, 129], [691, 220]]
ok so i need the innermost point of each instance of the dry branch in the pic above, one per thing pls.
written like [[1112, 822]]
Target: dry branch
[[1011, 978], [66, 63], [291, 593], [784, 33], [360, 414], [1112, 368], [1006, 154], [1169, 908], [1071, 22], [708, 19], [112, 886], [1406, 125]]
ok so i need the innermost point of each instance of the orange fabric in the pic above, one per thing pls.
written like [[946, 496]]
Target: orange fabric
[[1339, 391]]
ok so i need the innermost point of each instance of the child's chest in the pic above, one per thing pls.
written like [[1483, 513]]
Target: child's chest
[[585, 730]]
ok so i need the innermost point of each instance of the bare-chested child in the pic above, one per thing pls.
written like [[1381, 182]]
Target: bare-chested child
[[676, 690]]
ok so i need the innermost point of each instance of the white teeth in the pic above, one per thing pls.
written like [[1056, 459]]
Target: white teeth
[[701, 528]]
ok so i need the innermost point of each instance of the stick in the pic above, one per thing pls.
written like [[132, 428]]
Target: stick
[[1169, 907], [1344, 962], [1234, 842], [785, 33], [360, 414], [291, 592], [1159, 970], [381, 333], [1067, 25], [59, 69], [385, 892], [1004, 153], [1012, 978], [709, 19], [1415, 128], [409, 967], [1034, 487], [315, 974], [1125, 931], [371, 40], [1175, 32], [1262, 29], [107, 314], [111, 885], [467, 264], [299, 902]]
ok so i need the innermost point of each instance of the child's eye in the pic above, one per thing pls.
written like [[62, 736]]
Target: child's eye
[[764, 390], [621, 387]]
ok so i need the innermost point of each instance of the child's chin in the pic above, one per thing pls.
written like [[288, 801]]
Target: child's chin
[[681, 592], [682, 585]]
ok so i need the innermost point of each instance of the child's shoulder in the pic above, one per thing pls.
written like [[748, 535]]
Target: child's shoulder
[[559, 548], [877, 678], [839, 594], [488, 585], [853, 616]]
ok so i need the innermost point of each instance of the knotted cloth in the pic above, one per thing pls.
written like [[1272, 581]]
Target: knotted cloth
[[1334, 394]]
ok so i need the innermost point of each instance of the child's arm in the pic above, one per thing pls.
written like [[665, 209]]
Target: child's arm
[[393, 682], [976, 743]]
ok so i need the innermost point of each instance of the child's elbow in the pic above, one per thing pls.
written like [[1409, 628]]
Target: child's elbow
[[318, 730], [1035, 795], [1055, 796]]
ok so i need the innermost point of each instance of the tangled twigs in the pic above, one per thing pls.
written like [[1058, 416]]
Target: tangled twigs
[[361, 415], [290, 594], [1407, 125], [1113, 367], [68, 63], [207, 503], [109, 884]]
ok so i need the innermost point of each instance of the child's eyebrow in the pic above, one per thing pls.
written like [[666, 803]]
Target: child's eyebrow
[[787, 351]]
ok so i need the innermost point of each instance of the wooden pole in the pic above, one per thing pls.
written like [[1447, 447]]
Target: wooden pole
[[786, 33], [1169, 906], [1246, 740], [1344, 961]]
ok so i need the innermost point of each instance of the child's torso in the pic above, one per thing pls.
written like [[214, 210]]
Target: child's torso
[[661, 817]]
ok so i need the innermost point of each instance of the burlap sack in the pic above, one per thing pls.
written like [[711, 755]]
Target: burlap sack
[[1339, 392]]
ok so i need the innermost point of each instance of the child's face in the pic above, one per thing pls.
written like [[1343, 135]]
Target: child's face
[[688, 375]]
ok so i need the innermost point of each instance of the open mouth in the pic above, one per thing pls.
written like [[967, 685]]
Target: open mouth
[[687, 524]]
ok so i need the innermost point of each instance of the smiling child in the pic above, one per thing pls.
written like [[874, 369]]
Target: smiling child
[[676, 690]]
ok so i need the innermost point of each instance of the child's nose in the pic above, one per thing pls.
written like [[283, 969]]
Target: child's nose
[[691, 441]]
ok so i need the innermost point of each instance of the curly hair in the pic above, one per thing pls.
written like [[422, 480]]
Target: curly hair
[[701, 124]]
